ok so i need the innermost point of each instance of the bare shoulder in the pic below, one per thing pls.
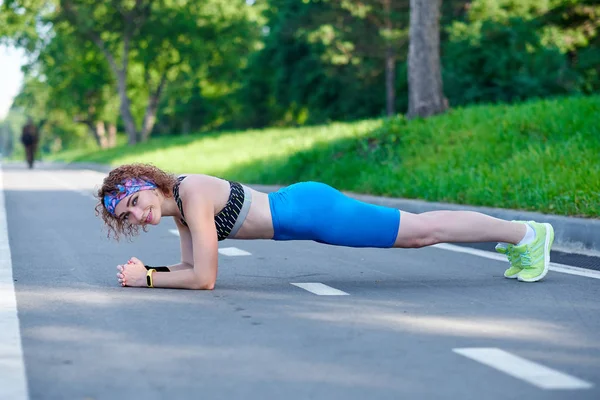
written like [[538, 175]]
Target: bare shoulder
[[198, 183], [206, 187]]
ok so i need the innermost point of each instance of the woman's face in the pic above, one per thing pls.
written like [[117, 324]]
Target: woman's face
[[140, 208]]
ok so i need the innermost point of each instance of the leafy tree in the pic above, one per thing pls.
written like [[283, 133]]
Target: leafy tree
[[80, 83], [503, 62], [574, 27], [506, 50], [326, 59]]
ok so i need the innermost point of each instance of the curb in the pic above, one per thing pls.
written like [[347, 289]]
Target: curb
[[572, 233]]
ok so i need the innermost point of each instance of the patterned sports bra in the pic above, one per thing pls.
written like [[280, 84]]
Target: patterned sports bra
[[229, 220]]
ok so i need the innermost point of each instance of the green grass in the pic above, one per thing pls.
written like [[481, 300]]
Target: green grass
[[540, 155]]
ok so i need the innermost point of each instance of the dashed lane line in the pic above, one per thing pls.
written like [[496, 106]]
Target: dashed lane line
[[233, 252], [521, 368], [320, 289], [226, 251]]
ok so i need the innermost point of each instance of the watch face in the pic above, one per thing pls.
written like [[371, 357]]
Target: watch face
[[148, 280]]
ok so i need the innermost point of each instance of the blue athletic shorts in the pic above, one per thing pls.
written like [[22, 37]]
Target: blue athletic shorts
[[316, 211]]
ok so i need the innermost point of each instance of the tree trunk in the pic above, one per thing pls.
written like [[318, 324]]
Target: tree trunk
[[101, 134], [125, 108], [93, 129], [149, 119], [186, 126], [425, 89], [112, 135], [150, 114], [390, 65], [390, 82], [121, 76]]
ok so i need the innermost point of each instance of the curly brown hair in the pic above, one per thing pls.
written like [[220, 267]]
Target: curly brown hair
[[117, 227]]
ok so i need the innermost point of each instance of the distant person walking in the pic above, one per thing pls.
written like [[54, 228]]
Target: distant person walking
[[30, 139]]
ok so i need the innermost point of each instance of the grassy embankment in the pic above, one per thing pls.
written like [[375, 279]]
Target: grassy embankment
[[542, 155]]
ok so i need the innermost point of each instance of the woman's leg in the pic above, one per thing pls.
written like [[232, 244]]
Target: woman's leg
[[528, 243], [419, 230]]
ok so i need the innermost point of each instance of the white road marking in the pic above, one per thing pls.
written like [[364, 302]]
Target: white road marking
[[226, 251], [320, 289], [233, 252], [12, 367], [565, 269], [521, 368]]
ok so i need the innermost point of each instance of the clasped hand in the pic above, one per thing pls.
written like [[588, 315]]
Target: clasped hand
[[132, 274]]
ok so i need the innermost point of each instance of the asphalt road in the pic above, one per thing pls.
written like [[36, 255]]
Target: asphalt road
[[405, 324]]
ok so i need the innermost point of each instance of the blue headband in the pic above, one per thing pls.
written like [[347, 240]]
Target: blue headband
[[129, 186]]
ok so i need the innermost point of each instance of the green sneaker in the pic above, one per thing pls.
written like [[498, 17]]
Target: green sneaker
[[535, 256], [513, 257]]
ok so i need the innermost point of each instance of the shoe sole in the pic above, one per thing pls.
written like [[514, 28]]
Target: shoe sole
[[547, 245], [515, 276]]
